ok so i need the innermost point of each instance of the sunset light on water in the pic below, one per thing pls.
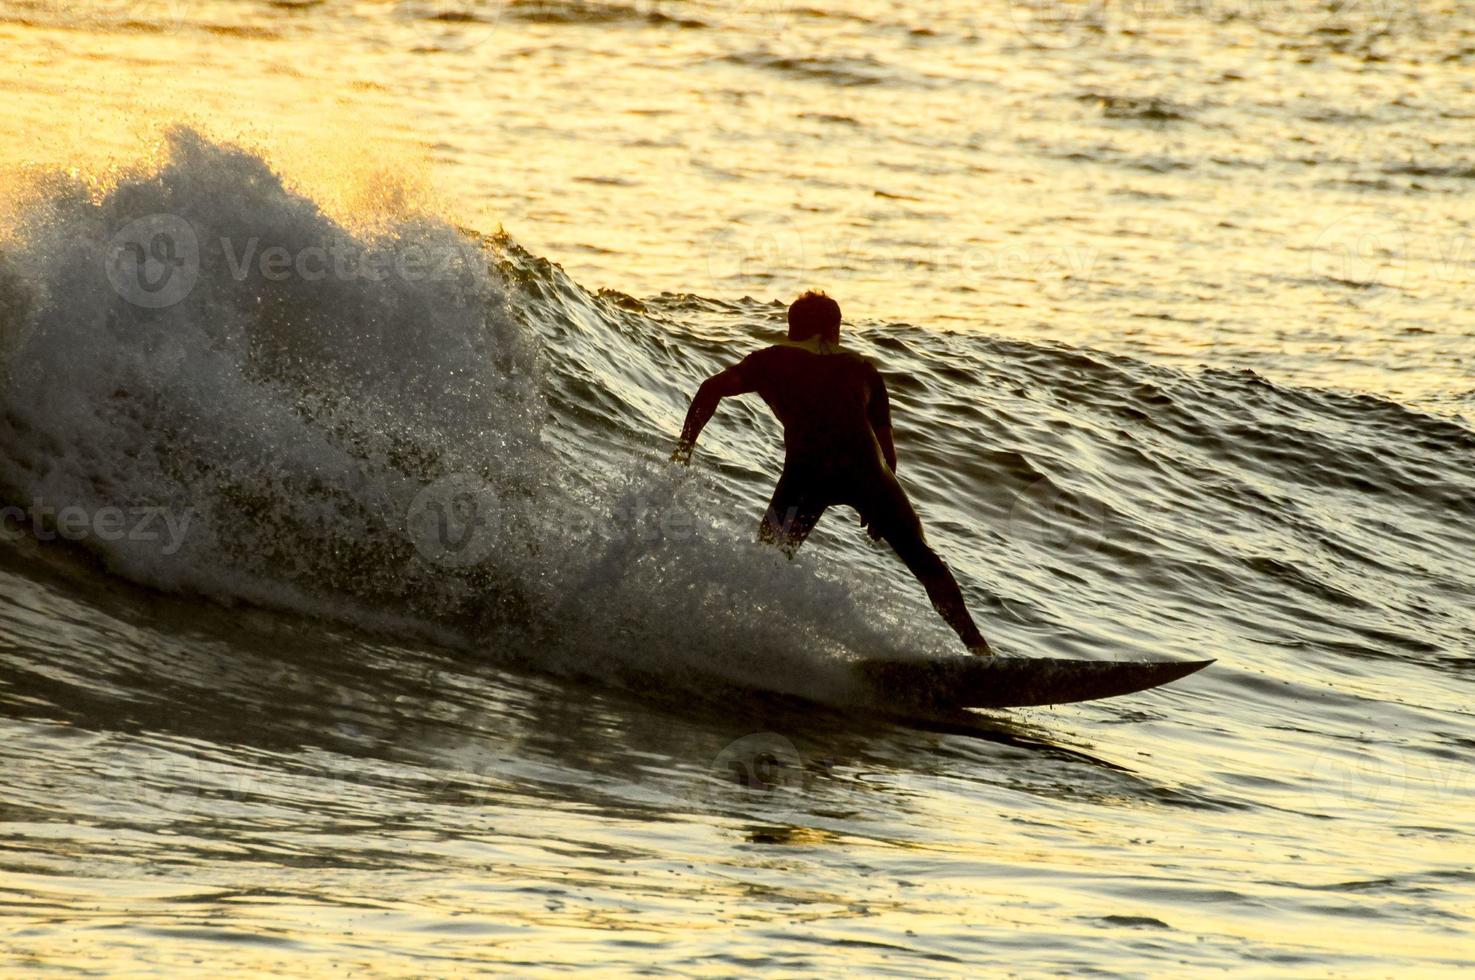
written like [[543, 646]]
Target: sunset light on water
[[356, 620]]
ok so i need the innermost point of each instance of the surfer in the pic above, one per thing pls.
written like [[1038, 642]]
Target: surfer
[[838, 448]]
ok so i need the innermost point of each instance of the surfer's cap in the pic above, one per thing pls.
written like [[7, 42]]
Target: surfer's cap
[[814, 315]]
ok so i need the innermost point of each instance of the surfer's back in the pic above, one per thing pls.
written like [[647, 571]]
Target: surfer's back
[[825, 400]]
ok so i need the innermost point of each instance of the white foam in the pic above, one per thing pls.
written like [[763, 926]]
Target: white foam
[[298, 422]]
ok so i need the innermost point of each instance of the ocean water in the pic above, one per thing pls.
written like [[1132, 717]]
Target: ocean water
[[353, 621]]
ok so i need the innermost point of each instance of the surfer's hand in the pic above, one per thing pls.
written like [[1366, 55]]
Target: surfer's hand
[[682, 454], [871, 529]]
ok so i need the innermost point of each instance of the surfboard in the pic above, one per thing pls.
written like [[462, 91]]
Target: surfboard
[[1013, 682]]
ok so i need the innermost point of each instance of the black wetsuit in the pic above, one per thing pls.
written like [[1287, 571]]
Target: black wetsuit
[[831, 406], [837, 450]]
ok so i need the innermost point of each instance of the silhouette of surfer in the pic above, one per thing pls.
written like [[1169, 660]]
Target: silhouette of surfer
[[837, 448]]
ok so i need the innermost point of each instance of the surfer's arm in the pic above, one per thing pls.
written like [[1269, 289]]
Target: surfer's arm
[[879, 411], [719, 386], [888, 447]]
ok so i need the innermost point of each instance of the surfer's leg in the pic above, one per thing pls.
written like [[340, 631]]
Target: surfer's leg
[[897, 522], [791, 515]]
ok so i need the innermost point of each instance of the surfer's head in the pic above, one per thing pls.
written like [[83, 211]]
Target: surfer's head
[[814, 315]]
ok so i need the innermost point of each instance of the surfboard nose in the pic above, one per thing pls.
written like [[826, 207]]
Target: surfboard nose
[[1015, 682]]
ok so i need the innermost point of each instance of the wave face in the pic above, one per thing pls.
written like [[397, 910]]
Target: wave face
[[310, 430]]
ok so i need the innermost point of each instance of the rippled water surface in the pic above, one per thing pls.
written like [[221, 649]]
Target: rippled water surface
[[1171, 302]]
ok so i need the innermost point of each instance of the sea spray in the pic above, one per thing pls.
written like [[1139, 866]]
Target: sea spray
[[354, 425]]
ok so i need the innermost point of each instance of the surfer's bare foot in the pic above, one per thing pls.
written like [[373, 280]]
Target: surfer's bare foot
[[981, 649]]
